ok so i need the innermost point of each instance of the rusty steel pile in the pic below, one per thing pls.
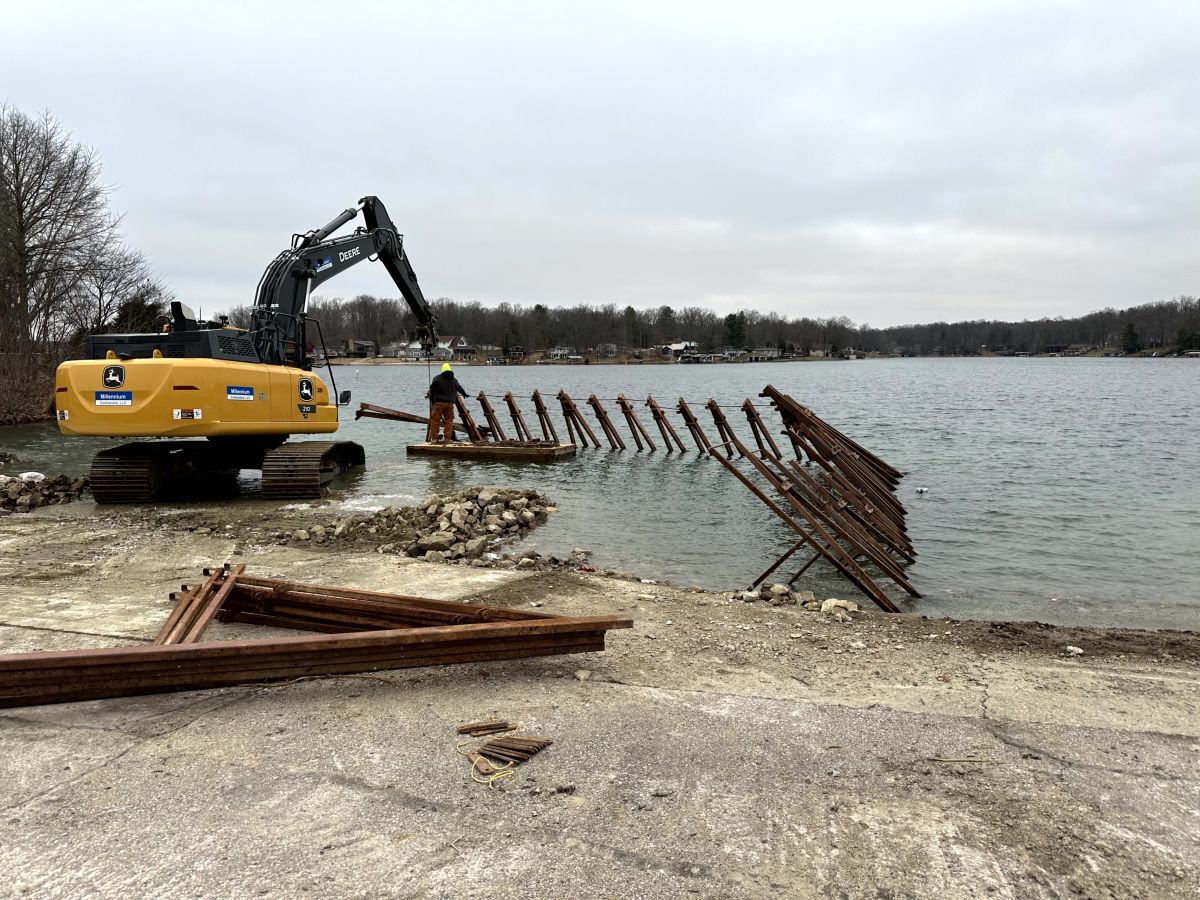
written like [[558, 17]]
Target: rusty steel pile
[[838, 497], [364, 631]]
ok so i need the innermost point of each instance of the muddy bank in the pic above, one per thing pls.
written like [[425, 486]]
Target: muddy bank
[[721, 748]]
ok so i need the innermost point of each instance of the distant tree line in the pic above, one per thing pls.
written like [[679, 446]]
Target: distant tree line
[[64, 270], [1166, 325]]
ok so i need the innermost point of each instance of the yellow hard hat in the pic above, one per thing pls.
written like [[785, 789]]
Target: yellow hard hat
[[445, 367]]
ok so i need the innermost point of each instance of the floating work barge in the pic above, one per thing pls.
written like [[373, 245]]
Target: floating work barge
[[517, 451]]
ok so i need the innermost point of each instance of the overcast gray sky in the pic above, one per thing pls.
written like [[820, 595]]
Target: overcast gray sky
[[892, 162]]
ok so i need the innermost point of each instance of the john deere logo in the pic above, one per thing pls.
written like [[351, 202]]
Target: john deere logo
[[306, 392], [114, 376]]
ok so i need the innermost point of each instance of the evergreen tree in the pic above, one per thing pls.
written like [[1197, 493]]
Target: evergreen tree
[[1130, 342]]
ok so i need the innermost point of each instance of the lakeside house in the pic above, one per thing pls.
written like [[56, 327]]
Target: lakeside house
[[677, 349], [762, 354], [449, 347]]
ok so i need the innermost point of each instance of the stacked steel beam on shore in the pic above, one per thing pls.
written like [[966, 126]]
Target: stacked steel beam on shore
[[366, 631]]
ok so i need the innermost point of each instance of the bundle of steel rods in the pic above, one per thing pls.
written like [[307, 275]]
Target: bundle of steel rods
[[365, 631]]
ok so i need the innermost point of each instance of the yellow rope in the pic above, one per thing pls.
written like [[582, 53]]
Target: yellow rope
[[503, 771]]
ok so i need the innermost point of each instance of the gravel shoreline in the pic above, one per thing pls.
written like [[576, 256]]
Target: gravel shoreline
[[726, 746]]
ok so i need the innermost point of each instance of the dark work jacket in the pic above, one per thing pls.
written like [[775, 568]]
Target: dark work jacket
[[443, 388]]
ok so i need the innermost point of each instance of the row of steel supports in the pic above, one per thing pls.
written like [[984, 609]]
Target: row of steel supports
[[837, 496]]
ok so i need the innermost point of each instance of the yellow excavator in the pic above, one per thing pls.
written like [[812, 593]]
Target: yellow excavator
[[243, 391]]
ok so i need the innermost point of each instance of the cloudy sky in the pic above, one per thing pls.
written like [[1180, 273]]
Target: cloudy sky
[[891, 162]]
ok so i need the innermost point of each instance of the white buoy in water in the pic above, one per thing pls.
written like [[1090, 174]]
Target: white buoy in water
[[922, 490]]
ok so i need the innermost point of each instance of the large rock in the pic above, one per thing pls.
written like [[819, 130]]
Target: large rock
[[488, 496], [832, 605], [439, 540]]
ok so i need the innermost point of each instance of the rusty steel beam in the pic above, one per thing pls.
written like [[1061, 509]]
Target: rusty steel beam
[[779, 562], [464, 415], [759, 428], [821, 511], [544, 420], [793, 412], [723, 429], [58, 677], [828, 543], [182, 615], [698, 435], [490, 415], [614, 439], [518, 420], [665, 428], [289, 590], [371, 411], [211, 606], [572, 415], [635, 424]]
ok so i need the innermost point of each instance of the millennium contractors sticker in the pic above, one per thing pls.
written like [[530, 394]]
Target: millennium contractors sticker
[[233, 392], [114, 398]]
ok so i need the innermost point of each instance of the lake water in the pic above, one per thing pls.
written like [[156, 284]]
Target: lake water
[[1063, 490]]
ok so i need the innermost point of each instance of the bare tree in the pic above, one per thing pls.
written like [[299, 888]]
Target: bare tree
[[63, 270], [53, 221], [116, 276]]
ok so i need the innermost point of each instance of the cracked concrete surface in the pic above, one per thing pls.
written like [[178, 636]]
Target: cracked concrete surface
[[717, 750]]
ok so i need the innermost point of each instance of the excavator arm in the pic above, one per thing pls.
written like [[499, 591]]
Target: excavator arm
[[314, 258]]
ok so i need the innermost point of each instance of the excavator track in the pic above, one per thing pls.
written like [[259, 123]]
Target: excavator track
[[147, 471], [298, 470], [126, 474]]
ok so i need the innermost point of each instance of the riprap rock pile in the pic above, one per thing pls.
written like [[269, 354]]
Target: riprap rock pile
[[464, 525], [32, 490]]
